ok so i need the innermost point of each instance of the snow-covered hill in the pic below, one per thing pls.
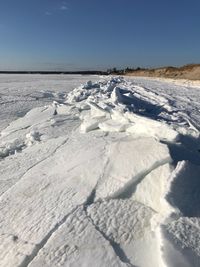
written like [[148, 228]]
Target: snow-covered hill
[[106, 174]]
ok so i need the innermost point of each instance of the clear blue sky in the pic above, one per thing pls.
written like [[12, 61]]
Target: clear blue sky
[[98, 34]]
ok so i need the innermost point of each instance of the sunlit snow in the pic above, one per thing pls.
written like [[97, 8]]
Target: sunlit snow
[[99, 171]]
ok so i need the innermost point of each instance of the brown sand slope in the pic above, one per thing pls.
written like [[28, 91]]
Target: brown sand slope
[[191, 72]]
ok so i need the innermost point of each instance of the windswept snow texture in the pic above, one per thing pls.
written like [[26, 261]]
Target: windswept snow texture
[[99, 171]]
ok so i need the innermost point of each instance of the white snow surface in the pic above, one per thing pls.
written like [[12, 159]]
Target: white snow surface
[[99, 171]]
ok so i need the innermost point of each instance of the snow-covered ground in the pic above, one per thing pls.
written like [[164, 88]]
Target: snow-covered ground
[[20, 93], [106, 173]]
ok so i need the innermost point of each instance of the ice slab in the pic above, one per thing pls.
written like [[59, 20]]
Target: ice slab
[[153, 189], [47, 193], [129, 160], [184, 191], [77, 243], [127, 224], [14, 167], [182, 242]]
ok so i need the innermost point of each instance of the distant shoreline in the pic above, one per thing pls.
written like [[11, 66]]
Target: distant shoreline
[[57, 72], [190, 72]]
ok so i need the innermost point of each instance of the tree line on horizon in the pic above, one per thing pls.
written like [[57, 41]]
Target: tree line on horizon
[[123, 71]]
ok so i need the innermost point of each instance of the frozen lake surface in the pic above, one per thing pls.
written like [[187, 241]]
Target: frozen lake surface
[[99, 171]]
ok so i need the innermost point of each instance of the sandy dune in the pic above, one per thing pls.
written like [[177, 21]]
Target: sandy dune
[[191, 72]]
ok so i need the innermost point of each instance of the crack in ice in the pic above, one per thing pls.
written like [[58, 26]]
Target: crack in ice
[[36, 164]]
